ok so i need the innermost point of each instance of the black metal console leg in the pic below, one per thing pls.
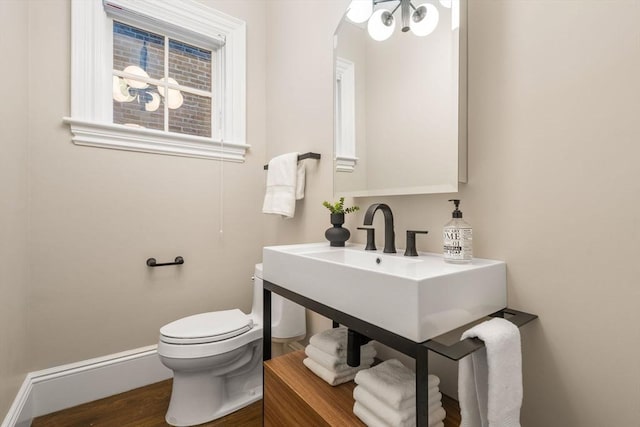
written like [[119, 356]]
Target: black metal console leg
[[355, 340], [422, 386], [266, 332]]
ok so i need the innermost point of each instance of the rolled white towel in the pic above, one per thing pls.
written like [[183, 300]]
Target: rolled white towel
[[331, 377], [437, 416], [393, 417], [338, 364], [365, 396], [390, 415], [368, 417], [435, 398], [332, 341], [392, 382], [435, 407], [371, 419]]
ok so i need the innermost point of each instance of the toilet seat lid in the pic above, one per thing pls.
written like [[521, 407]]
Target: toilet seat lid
[[206, 327]]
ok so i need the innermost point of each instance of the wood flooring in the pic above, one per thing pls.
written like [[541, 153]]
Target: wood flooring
[[142, 407], [146, 407]]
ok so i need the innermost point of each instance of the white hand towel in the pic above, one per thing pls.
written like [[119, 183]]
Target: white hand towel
[[392, 382], [490, 379], [383, 411], [368, 417], [331, 377], [370, 400], [332, 341], [338, 364], [301, 174], [371, 419], [280, 196]]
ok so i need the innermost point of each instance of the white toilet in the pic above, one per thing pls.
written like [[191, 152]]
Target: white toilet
[[216, 357]]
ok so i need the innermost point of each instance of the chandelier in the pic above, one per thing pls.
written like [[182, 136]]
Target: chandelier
[[420, 20]]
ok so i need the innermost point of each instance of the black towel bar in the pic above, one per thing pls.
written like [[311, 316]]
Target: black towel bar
[[467, 346], [302, 157], [151, 262]]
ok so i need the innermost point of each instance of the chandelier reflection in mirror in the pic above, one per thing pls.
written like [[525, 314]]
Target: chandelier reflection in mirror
[[421, 19]]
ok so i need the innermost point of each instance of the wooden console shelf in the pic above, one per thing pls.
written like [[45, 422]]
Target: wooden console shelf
[[294, 396]]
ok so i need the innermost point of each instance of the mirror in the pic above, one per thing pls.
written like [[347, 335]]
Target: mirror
[[400, 106]]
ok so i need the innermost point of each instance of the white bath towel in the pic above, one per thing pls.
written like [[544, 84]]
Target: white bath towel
[[332, 341], [392, 382], [366, 397], [282, 179], [338, 364], [331, 377], [393, 416], [372, 420], [490, 379]]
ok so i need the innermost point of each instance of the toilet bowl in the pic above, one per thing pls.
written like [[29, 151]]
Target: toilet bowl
[[216, 357]]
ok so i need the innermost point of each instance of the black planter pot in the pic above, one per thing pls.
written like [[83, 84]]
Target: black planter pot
[[337, 235]]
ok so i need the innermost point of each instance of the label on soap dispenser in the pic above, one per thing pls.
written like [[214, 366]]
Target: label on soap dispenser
[[458, 244]]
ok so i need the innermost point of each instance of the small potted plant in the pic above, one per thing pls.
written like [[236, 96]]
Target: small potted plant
[[337, 235]]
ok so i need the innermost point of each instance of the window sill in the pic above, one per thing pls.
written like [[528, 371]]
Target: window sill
[[120, 137]]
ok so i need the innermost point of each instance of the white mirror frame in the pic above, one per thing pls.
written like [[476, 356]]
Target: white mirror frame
[[345, 120]]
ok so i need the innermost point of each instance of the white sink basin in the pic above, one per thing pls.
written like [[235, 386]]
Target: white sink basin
[[371, 260], [416, 297]]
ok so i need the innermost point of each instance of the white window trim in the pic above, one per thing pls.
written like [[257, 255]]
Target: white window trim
[[345, 144], [91, 118]]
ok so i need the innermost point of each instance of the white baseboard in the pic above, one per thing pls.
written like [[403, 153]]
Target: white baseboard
[[54, 389]]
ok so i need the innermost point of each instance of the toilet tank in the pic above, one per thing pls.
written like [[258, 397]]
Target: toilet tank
[[287, 318]]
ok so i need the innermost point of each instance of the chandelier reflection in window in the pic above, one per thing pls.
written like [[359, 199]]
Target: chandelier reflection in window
[[135, 85]]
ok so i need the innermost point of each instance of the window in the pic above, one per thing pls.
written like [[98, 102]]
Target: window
[[161, 83], [159, 77]]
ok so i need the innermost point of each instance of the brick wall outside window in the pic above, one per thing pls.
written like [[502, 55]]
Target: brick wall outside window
[[189, 65]]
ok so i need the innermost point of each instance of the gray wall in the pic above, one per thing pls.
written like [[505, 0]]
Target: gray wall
[[300, 110], [14, 131], [96, 215]]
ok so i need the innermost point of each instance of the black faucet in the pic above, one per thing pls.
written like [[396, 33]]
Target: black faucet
[[410, 250], [389, 234]]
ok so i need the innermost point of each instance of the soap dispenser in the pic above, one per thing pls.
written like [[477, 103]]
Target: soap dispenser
[[458, 238]]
